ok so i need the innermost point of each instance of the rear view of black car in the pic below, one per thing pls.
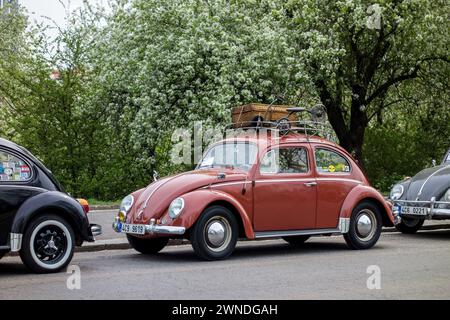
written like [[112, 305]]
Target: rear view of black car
[[37, 218], [424, 196]]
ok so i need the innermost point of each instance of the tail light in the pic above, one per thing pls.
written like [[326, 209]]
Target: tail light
[[84, 204]]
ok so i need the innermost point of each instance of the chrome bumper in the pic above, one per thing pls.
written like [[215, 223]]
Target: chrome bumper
[[434, 208], [154, 228], [96, 229]]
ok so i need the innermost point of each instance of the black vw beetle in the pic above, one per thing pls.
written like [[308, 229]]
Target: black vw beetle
[[37, 218], [424, 196]]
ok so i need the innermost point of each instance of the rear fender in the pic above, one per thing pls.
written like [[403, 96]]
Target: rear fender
[[56, 203], [361, 193]]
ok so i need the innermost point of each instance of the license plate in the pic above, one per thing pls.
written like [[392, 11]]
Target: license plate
[[132, 228], [418, 211]]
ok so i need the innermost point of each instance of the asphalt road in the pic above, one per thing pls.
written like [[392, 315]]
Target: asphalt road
[[411, 266]]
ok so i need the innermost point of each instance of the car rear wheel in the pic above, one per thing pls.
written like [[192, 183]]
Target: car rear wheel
[[409, 226], [365, 226], [296, 240], [215, 234], [48, 244], [147, 246]]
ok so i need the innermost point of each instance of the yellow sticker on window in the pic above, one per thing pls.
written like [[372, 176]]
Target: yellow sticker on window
[[331, 168]]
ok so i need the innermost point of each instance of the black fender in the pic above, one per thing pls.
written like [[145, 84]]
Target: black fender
[[54, 202]]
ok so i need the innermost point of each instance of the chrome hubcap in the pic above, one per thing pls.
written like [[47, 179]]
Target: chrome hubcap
[[217, 233], [365, 225]]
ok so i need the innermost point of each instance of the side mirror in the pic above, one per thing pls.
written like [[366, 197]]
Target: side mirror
[[433, 162]]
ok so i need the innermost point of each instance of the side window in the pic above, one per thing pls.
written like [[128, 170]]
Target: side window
[[328, 161], [284, 160], [12, 168]]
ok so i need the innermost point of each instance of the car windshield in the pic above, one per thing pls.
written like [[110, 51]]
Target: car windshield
[[230, 155]]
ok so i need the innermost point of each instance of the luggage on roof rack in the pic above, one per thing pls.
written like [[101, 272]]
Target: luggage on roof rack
[[249, 115], [283, 118]]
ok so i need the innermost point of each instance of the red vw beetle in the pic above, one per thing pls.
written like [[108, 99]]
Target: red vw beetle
[[289, 185]]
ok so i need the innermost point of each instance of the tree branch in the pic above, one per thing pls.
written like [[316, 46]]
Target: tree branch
[[385, 86]]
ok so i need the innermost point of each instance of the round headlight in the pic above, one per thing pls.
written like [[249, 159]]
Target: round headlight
[[127, 203], [446, 196], [176, 207], [396, 192]]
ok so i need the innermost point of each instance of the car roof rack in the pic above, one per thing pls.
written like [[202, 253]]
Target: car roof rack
[[317, 124]]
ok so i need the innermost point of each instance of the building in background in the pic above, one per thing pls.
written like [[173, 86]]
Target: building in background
[[10, 3]]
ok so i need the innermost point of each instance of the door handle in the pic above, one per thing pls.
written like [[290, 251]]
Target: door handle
[[310, 184]]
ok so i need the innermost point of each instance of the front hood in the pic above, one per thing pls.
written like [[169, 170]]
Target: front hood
[[428, 183], [154, 200]]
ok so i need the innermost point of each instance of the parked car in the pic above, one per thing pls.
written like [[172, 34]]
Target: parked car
[[37, 218], [424, 196], [293, 187]]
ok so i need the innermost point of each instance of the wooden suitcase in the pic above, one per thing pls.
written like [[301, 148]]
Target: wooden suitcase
[[248, 115]]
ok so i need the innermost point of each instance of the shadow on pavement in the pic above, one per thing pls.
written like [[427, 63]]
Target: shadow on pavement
[[443, 235], [12, 268], [252, 250]]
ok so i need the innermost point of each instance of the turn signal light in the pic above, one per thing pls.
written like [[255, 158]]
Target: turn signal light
[[84, 204], [121, 216]]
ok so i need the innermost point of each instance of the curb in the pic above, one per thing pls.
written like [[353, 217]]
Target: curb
[[103, 207], [122, 244]]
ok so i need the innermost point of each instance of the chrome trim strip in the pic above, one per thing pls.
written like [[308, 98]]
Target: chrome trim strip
[[226, 184], [15, 241], [308, 179], [344, 225], [281, 180], [287, 233], [158, 229], [161, 183], [421, 202], [339, 179], [285, 180], [427, 179], [441, 212]]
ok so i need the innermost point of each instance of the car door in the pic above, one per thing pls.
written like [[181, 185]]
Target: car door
[[15, 175], [284, 190], [335, 180]]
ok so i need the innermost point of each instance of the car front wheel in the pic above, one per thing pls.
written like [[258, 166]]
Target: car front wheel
[[365, 226], [409, 226], [147, 246], [48, 244], [215, 234]]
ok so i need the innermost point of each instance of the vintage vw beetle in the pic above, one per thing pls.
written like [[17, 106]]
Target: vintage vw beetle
[[290, 185], [424, 196], [37, 218]]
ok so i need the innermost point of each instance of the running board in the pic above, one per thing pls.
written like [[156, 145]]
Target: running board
[[343, 227], [289, 233]]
